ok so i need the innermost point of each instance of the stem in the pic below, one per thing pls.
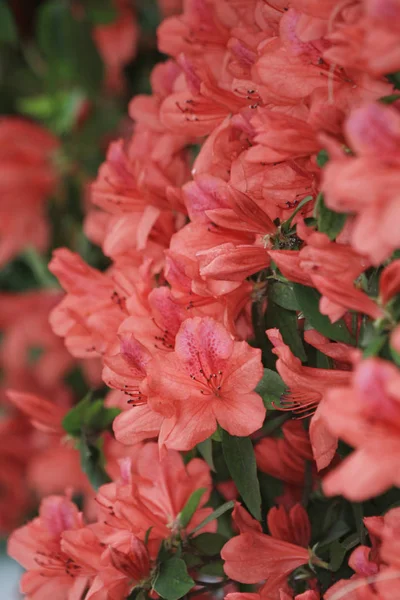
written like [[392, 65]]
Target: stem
[[271, 426], [308, 483], [358, 513], [39, 268]]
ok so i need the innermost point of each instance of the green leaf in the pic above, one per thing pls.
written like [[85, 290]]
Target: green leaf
[[209, 544], [92, 462], [147, 535], [337, 552], [73, 420], [101, 12], [215, 569], [8, 30], [322, 361], [148, 15], [104, 418], [172, 581], [395, 356], [322, 158], [213, 516], [308, 299], [271, 388], [286, 322], [375, 346], [88, 415], [192, 560], [68, 47], [205, 449], [395, 79], [389, 99], [39, 267], [283, 295], [287, 224], [216, 436], [241, 462], [329, 222], [191, 506], [358, 513], [59, 111]]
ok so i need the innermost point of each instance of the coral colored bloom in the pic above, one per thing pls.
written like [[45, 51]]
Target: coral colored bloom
[[363, 183], [332, 269], [117, 43], [27, 179], [291, 526], [33, 358], [307, 386], [15, 499], [386, 529], [37, 547], [43, 414], [285, 458], [282, 595], [366, 415], [208, 379], [253, 556], [151, 494]]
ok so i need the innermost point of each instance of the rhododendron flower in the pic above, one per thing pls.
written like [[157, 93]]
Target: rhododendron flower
[[26, 331], [291, 526], [253, 556], [117, 43], [332, 269], [15, 498], [307, 386], [270, 124], [285, 457], [38, 547], [120, 569], [151, 495], [208, 380], [27, 179], [386, 530], [369, 197], [366, 415], [376, 574]]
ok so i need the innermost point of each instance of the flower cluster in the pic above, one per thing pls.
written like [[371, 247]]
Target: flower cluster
[[248, 323]]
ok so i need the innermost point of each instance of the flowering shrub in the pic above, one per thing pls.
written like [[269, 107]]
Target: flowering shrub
[[240, 333]]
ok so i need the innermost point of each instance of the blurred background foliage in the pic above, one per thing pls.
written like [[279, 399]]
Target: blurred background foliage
[[52, 71], [71, 67]]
